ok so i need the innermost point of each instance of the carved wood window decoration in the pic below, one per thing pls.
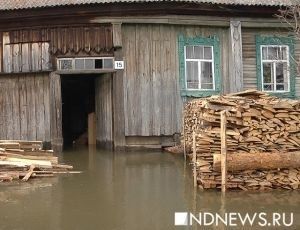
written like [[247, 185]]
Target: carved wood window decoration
[[275, 64], [199, 63]]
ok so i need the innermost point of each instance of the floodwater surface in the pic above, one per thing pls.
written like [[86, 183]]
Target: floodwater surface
[[126, 191]]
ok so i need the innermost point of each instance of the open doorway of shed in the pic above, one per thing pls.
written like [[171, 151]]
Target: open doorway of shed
[[78, 101]]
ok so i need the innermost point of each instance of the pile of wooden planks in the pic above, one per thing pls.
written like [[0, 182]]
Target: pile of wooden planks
[[26, 159], [257, 123]]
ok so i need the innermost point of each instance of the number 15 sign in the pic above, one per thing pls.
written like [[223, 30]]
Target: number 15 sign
[[119, 64]]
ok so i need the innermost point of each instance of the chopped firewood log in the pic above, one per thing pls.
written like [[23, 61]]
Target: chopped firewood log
[[257, 124]]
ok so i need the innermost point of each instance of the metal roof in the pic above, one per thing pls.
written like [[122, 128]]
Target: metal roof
[[26, 4]]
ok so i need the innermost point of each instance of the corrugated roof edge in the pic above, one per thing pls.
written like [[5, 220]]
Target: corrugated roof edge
[[33, 4]]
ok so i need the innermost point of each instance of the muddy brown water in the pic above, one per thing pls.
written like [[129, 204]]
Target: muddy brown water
[[126, 191]]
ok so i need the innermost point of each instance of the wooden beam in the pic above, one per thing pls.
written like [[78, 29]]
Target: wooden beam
[[56, 112], [223, 151], [235, 57], [118, 94], [199, 20]]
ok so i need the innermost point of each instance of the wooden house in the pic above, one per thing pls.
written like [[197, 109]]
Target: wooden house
[[133, 63]]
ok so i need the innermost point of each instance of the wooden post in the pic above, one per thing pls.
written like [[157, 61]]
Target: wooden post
[[56, 112], [194, 160], [223, 150], [235, 57], [118, 92], [92, 128]]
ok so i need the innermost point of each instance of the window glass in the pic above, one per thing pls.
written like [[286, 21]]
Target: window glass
[[199, 70], [66, 64], [192, 75], [198, 52], [207, 75], [275, 62], [189, 52], [89, 64], [208, 52], [79, 63]]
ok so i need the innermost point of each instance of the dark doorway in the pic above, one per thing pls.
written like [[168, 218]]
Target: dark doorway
[[78, 100]]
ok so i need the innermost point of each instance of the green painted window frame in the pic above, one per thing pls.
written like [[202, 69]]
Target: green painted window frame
[[276, 40], [194, 41]]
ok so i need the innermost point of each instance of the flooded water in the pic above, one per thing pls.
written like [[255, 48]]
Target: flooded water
[[125, 191]]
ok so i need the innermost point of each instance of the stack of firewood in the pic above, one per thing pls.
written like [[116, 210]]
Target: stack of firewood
[[26, 159], [256, 123]]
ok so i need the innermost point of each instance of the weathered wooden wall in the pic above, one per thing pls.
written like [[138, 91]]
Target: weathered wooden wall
[[34, 49], [153, 104], [104, 110], [249, 55], [25, 107]]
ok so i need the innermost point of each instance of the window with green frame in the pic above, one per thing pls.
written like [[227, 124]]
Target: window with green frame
[[199, 63], [276, 65]]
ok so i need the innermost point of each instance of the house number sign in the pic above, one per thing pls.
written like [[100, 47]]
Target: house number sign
[[119, 64]]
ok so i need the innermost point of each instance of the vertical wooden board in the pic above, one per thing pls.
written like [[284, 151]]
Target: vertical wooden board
[[7, 57], [179, 101], [25, 57], [1, 110], [92, 129], [165, 81], [9, 109], [137, 114], [35, 57], [45, 56], [235, 59], [109, 102], [47, 106], [56, 111], [144, 80], [16, 58], [104, 108], [173, 79], [125, 47], [162, 81], [4, 107], [117, 35], [23, 107], [1, 52], [129, 78], [31, 107], [40, 108], [16, 108], [156, 80], [97, 109]]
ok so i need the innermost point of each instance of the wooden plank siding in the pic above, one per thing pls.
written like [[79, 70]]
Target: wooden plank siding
[[104, 111], [24, 112], [153, 104], [249, 55]]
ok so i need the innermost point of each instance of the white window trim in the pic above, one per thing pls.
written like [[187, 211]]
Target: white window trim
[[274, 67], [199, 68]]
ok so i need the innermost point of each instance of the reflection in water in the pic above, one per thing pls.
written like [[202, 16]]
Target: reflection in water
[[133, 190]]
